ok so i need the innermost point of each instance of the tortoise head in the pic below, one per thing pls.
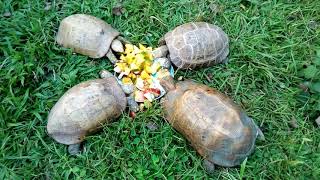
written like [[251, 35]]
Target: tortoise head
[[166, 80]]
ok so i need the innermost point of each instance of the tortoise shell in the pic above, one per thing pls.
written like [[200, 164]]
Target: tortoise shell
[[215, 126], [197, 44], [84, 108], [86, 35]]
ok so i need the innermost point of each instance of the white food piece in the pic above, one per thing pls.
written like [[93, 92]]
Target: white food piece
[[149, 96], [140, 84]]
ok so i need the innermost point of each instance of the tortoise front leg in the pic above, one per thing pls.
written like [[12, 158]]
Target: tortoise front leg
[[160, 52], [123, 40], [113, 59]]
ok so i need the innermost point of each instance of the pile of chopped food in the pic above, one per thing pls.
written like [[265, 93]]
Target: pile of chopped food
[[137, 72]]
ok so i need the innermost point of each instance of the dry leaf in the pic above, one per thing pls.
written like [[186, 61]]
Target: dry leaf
[[118, 10], [7, 14], [293, 123], [152, 126], [318, 121], [48, 6]]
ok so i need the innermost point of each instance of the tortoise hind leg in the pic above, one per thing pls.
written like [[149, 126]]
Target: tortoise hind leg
[[208, 166], [74, 149], [260, 134], [226, 60]]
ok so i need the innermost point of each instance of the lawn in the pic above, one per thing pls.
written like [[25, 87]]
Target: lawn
[[270, 42]]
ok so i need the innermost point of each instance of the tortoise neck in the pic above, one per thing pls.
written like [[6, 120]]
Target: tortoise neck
[[168, 83]]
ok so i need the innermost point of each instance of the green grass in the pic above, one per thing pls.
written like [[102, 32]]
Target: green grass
[[270, 43]]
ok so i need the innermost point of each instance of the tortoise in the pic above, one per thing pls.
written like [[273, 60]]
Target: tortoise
[[217, 128], [91, 36], [194, 44], [84, 108]]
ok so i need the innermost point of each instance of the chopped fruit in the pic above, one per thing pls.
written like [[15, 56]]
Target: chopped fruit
[[129, 49], [154, 91], [147, 104], [127, 70], [163, 73], [138, 96], [139, 83], [138, 70], [148, 69], [141, 106], [155, 67], [117, 69], [144, 75], [149, 96], [126, 80], [132, 114]]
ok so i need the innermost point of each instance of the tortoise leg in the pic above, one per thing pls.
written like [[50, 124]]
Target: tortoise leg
[[260, 134], [161, 51], [226, 60], [123, 40], [111, 57], [208, 166], [74, 149], [164, 62], [133, 105], [161, 41], [105, 74]]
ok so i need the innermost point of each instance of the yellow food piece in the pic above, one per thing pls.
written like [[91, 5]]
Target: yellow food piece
[[148, 69], [129, 58], [148, 56], [144, 75], [126, 80], [132, 76], [136, 50], [127, 70], [149, 81], [147, 64], [121, 66], [129, 48], [134, 67], [155, 67], [163, 73], [142, 47], [140, 59], [122, 57]]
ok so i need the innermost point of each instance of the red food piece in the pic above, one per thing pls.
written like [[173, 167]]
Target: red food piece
[[154, 91], [132, 114]]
